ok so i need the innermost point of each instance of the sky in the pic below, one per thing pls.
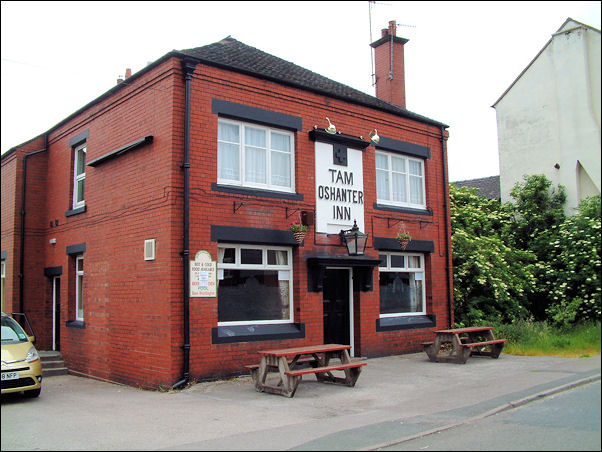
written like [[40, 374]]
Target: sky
[[460, 58]]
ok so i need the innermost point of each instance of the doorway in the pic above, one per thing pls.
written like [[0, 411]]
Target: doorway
[[338, 307], [56, 313]]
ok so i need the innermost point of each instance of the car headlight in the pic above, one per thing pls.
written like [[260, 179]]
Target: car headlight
[[32, 355]]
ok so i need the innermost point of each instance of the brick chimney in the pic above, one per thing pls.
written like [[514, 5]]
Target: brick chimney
[[389, 70]]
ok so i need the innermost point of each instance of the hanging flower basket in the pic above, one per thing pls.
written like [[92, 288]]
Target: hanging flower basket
[[299, 236], [403, 242], [299, 230], [403, 237]]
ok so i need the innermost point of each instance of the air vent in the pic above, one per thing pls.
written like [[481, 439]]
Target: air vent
[[149, 250]]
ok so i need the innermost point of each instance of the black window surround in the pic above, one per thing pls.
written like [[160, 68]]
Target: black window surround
[[406, 322], [234, 110], [122, 150], [257, 332], [409, 210], [338, 138], [74, 142], [403, 147], [3, 256], [72, 212], [53, 271], [79, 138], [255, 236], [362, 266], [256, 192], [391, 244], [75, 324], [73, 250]]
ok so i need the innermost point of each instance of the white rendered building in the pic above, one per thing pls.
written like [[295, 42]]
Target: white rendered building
[[548, 120]]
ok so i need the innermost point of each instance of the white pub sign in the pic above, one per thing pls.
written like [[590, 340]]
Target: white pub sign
[[339, 188]]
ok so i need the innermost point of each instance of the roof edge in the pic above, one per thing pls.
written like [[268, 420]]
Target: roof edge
[[100, 98], [409, 114], [556, 33]]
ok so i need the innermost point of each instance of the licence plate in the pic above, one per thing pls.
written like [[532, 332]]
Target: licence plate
[[10, 376]]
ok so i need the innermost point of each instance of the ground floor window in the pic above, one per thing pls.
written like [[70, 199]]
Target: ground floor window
[[401, 277], [2, 278], [79, 287], [255, 284]]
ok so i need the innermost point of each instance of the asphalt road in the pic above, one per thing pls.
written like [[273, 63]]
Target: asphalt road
[[395, 398], [568, 420]]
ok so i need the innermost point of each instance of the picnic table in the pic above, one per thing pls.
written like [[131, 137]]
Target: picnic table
[[292, 363], [457, 345]]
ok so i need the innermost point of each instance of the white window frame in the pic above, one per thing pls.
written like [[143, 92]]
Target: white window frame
[[79, 177], [263, 266], [408, 203], [149, 250], [241, 158], [405, 269], [3, 280], [79, 289]]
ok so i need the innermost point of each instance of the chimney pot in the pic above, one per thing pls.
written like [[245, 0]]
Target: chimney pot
[[385, 32], [392, 28]]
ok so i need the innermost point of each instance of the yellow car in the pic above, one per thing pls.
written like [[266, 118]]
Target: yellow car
[[21, 363]]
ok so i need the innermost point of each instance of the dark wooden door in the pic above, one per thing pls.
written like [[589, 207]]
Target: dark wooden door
[[336, 307]]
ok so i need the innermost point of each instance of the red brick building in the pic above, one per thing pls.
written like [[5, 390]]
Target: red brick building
[[147, 235]]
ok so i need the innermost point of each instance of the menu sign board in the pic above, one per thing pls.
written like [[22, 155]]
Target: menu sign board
[[203, 276]]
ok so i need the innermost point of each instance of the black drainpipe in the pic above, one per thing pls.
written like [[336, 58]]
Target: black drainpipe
[[188, 67], [447, 238], [22, 241]]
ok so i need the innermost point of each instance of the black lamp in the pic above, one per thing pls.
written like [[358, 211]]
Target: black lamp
[[354, 239]]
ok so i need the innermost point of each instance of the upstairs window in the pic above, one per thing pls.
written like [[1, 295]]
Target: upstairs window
[[252, 156], [79, 176], [399, 180]]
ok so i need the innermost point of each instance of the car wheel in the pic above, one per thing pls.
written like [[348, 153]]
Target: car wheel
[[33, 393]]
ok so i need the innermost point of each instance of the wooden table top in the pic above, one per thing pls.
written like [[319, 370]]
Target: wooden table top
[[320, 348], [474, 329]]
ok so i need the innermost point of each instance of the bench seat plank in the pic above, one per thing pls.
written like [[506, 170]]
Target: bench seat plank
[[302, 360], [315, 370], [484, 343]]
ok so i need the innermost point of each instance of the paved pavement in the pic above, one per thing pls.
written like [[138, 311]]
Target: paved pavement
[[395, 398]]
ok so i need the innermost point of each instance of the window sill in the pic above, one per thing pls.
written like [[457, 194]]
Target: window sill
[[391, 208], [257, 332], [76, 211], [256, 192], [75, 324], [405, 322]]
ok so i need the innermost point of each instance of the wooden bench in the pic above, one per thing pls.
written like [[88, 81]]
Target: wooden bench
[[496, 347], [324, 374], [288, 374], [457, 345]]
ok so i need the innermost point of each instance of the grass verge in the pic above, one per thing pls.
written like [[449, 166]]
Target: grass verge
[[541, 339]]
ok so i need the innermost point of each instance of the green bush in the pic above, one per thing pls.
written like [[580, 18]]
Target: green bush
[[525, 260]]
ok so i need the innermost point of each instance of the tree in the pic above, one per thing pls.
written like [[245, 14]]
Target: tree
[[491, 277], [573, 267], [537, 215]]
